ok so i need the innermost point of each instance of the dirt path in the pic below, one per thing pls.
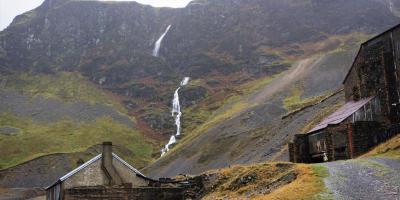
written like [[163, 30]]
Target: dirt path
[[368, 178], [297, 72]]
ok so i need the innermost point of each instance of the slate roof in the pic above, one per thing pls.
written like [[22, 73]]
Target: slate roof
[[340, 115], [84, 165]]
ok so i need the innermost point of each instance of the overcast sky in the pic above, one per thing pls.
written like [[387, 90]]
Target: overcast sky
[[11, 8]]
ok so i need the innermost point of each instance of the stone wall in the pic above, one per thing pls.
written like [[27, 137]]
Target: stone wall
[[375, 73], [93, 175], [299, 149], [365, 136], [351, 84], [148, 193], [128, 176], [88, 176], [342, 141], [291, 149], [338, 142]]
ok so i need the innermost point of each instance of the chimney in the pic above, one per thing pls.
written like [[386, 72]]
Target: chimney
[[107, 166]]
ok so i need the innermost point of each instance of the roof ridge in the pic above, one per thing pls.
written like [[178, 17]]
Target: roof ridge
[[127, 164], [94, 159], [74, 171]]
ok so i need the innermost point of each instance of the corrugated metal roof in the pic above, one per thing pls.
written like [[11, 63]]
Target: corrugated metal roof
[[84, 165], [345, 111]]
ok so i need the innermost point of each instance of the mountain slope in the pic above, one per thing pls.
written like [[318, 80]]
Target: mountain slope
[[261, 131], [253, 64], [62, 113], [236, 41]]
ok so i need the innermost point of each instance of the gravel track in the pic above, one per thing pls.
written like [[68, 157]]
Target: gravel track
[[367, 178]]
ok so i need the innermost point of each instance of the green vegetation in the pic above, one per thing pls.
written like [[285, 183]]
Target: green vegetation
[[352, 40], [334, 44], [390, 149], [67, 136], [226, 109], [379, 168], [249, 181], [294, 102], [68, 87], [321, 172], [257, 84], [214, 119], [253, 181]]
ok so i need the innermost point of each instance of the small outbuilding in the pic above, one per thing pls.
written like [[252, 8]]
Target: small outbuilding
[[344, 134]]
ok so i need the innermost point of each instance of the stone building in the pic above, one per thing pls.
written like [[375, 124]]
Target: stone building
[[371, 112], [107, 176]]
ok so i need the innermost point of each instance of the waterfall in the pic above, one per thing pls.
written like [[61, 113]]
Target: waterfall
[[157, 45], [391, 6], [185, 81], [176, 113]]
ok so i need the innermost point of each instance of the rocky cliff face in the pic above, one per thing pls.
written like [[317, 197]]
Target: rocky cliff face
[[221, 44], [114, 40], [111, 42]]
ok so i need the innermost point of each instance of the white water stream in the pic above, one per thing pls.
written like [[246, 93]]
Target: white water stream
[[176, 113], [157, 45]]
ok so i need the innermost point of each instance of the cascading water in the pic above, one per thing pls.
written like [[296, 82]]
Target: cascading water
[[391, 6], [157, 45], [176, 113]]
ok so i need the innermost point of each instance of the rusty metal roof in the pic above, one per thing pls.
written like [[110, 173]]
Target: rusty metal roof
[[340, 115]]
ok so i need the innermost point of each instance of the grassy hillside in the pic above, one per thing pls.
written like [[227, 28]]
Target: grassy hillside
[[65, 86], [391, 149], [23, 138], [266, 181], [33, 140]]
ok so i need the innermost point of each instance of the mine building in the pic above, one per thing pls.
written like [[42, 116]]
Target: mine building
[[370, 114], [107, 176]]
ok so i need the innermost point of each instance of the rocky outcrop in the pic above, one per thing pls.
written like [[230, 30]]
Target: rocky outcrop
[[115, 40]]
